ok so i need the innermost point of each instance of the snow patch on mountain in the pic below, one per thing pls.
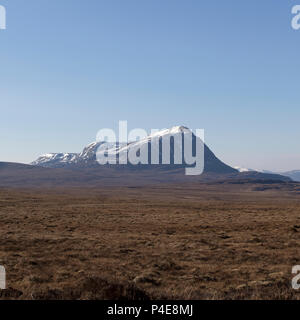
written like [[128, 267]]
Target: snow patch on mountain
[[240, 169]]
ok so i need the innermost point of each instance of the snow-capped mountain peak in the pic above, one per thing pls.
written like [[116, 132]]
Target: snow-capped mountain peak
[[88, 154], [88, 157]]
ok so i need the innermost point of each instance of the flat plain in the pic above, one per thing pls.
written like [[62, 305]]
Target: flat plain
[[184, 241]]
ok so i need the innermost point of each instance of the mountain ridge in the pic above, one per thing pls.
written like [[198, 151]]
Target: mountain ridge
[[87, 157], [83, 170]]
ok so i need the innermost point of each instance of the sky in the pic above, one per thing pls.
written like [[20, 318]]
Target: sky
[[69, 68]]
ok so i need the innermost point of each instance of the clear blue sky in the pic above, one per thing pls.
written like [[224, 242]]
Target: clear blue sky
[[69, 68]]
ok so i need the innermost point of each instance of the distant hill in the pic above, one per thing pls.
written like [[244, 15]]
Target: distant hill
[[23, 176], [294, 175]]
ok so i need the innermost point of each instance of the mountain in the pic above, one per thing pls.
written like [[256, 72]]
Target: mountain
[[82, 170], [295, 175], [87, 158]]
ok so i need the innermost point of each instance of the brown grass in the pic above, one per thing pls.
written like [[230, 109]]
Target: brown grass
[[185, 242]]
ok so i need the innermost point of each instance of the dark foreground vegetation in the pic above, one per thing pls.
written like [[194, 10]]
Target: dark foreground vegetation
[[196, 241]]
